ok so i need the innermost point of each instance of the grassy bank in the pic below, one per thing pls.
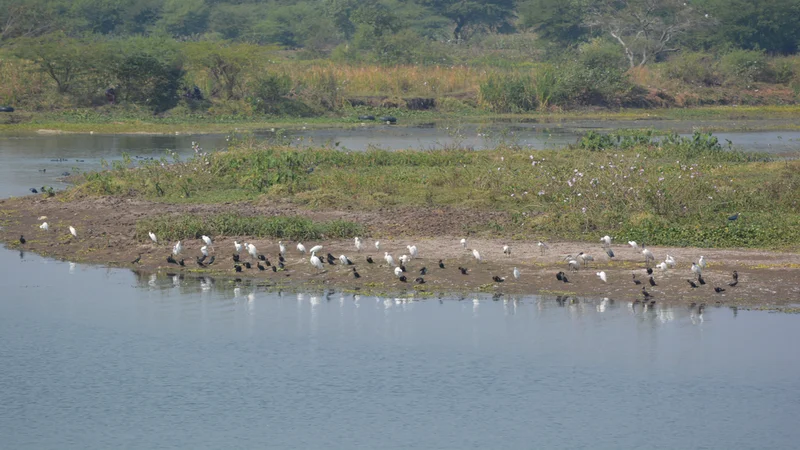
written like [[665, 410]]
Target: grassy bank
[[665, 191]]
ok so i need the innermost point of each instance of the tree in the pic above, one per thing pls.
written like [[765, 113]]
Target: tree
[[21, 18], [471, 14], [770, 25], [65, 60], [646, 29], [559, 21]]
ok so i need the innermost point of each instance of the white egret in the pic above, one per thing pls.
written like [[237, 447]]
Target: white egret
[[153, 237], [378, 245], [633, 244], [315, 248], [606, 240], [516, 273], [44, 226], [344, 260], [398, 272], [697, 270], [281, 248], [359, 244], [388, 258], [204, 250], [602, 276], [670, 261], [648, 255], [464, 242], [412, 250], [251, 249], [207, 240], [301, 248], [404, 259], [476, 255], [661, 266], [177, 248], [507, 250], [543, 246], [73, 232], [702, 263], [315, 261], [237, 246]]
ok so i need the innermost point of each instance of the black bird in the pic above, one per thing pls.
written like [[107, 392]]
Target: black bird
[[635, 281], [262, 257], [733, 284], [235, 258], [138, 258], [281, 266], [420, 280], [403, 278], [21, 239], [331, 259], [560, 276], [260, 267], [463, 270], [182, 263], [691, 283], [33, 190], [733, 217], [718, 290], [369, 259], [349, 263], [735, 275], [610, 253], [497, 279], [267, 263], [649, 271], [200, 262], [201, 259], [403, 268], [652, 281], [211, 261], [700, 279], [248, 265], [646, 294], [423, 271], [280, 258], [171, 260], [441, 264], [274, 269], [237, 267], [356, 274]]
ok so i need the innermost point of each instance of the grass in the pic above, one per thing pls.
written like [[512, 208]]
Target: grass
[[663, 191], [173, 227]]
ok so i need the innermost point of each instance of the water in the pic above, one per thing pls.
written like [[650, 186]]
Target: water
[[23, 156], [96, 358]]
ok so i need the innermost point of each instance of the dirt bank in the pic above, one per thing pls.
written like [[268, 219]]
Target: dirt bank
[[106, 228]]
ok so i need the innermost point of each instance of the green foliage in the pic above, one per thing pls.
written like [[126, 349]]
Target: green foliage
[[560, 21], [769, 25], [148, 71], [174, 227], [696, 68], [745, 66]]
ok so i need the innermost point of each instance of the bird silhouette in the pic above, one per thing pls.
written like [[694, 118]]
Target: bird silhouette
[[237, 268], [22, 239], [497, 279], [691, 283], [356, 274], [171, 260], [463, 270], [403, 278], [420, 280], [652, 281], [635, 281], [423, 271], [441, 264], [138, 258], [700, 279], [260, 267], [369, 259], [719, 290]]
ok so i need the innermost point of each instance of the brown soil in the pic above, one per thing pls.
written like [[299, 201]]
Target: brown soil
[[105, 228]]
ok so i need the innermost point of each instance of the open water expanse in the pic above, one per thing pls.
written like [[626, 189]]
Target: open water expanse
[[97, 358]]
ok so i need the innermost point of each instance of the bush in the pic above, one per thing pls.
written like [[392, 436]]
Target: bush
[[694, 68], [269, 95], [746, 66], [507, 93]]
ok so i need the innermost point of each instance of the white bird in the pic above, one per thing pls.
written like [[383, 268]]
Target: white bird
[[670, 261], [542, 246], [301, 248], [378, 245], [388, 258], [602, 276], [412, 250], [464, 242], [507, 250], [516, 273], [153, 237], [476, 255], [662, 266], [75, 233], [633, 244], [359, 244], [44, 226], [251, 249], [281, 248], [315, 248], [315, 261], [606, 240], [207, 240], [572, 262], [343, 259], [702, 262], [398, 272], [204, 250], [404, 259], [697, 270], [177, 248], [648, 255], [237, 246]]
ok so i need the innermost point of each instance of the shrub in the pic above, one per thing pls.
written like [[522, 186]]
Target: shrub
[[695, 68], [746, 66]]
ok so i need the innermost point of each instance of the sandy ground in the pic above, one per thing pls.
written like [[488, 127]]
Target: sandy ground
[[106, 236]]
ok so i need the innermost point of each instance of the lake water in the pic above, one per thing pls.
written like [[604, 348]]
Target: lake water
[[96, 358], [24, 156]]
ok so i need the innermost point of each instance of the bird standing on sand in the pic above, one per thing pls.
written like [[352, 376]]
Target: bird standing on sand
[[251, 249], [648, 256], [602, 276], [441, 264], [207, 241], [153, 237], [359, 244], [316, 262], [635, 281], [464, 243], [702, 262], [477, 255], [633, 245], [692, 284], [177, 248], [138, 258], [72, 231], [606, 240], [670, 261], [735, 281], [388, 258], [44, 226], [398, 272], [542, 247], [281, 248], [315, 249], [507, 250], [378, 245], [301, 248], [412, 250], [516, 273], [237, 247]]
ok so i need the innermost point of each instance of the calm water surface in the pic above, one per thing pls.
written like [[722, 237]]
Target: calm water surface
[[95, 358]]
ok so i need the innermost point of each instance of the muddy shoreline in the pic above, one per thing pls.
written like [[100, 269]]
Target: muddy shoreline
[[106, 229]]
